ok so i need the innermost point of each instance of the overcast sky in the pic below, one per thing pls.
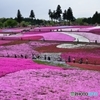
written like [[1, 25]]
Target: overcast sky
[[80, 8]]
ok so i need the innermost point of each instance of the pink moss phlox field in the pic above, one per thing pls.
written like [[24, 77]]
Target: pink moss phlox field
[[97, 31], [25, 37], [4, 41], [32, 32], [24, 49], [9, 65], [92, 56], [16, 30], [32, 37], [55, 36], [59, 27], [12, 30], [92, 37], [49, 84]]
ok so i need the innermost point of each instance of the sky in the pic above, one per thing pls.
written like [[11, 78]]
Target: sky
[[80, 8]]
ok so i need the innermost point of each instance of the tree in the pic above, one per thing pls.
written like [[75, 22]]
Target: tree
[[19, 16], [50, 14], [95, 18], [70, 16], [65, 15], [54, 15], [58, 12], [32, 15]]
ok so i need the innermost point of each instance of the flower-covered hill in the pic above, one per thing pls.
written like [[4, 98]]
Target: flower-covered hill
[[49, 84], [10, 65], [19, 48]]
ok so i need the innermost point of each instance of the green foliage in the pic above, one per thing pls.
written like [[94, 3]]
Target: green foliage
[[1, 24], [51, 22], [79, 21], [50, 63], [3, 20], [10, 23], [24, 24]]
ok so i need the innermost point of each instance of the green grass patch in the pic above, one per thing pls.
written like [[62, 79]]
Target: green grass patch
[[49, 63]]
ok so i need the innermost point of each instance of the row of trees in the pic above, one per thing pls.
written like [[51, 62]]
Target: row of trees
[[57, 14], [95, 19], [57, 17], [19, 17]]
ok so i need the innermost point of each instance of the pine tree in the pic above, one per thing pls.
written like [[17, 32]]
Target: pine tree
[[70, 16], [58, 12], [95, 18], [65, 15], [32, 15], [19, 16], [50, 13]]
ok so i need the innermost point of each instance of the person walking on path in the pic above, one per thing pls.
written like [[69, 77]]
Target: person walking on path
[[49, 58], [69, 59], [81, 61], [74, 60], [45, 57], [87, 61]]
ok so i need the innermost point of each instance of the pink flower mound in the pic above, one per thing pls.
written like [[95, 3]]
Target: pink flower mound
[[12, 38], [60, 27], [97, 31], [56, 36], [92, 37], [32, 37], [24, 49], [4, 41], [24, 37], [49, 84], [9, 65], [12, 30], [46, 28], [33, 32]]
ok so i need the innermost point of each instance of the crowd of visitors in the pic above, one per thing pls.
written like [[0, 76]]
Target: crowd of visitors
[[80, 61], [74, 60], [47, 57]]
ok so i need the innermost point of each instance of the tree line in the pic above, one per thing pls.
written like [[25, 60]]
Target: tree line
[[95, 19], [57, 17]]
